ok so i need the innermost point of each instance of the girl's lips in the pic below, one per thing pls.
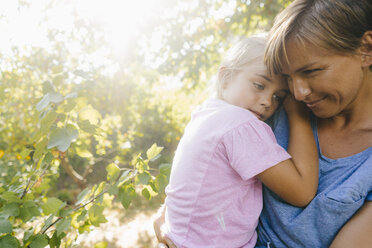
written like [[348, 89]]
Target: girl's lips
[[314, 104], [259, 116]]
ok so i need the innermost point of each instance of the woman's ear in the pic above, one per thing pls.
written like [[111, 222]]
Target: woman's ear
[[366, 49]]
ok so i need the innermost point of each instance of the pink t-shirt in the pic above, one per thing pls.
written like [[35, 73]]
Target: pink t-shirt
[[214, 198]]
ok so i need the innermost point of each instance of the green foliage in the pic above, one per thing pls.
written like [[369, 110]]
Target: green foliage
[[25, 200]]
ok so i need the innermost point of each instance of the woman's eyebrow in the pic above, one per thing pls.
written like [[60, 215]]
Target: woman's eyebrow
[[305, 67]]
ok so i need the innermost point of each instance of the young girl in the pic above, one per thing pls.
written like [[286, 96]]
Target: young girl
[[214, 197]]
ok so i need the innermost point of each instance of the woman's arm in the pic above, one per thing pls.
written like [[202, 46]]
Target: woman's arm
[[296, 180], [357, 232]]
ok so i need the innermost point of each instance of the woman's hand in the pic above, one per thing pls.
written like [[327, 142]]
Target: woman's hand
[[159, 223], [294, 107]]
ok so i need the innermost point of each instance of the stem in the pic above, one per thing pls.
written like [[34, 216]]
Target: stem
[[78, 179], [29, 182], [52, 224], [85, 204]]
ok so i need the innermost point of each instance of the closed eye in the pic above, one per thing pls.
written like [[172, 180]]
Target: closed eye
[[258, 86], [308, 72]]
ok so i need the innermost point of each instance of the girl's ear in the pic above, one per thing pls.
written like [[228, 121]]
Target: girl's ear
[[222, 77], [366, 49]]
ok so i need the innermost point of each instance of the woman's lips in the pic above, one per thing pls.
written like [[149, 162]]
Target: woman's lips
[[314, 104]]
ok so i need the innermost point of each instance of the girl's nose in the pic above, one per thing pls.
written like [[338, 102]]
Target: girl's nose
[[266, 100], [300, 89]]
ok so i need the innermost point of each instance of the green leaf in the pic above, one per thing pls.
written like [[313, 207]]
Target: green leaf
[[165, 169], [5, 226], [95, 215], [161, 181], [102, 244], [11, 209], [153, 152], [140, 164], [82, 215], [48, 119], [86, 126], [69, 106], [62, 137], [147, 192], [101, 186], [25, 152], [144, 177], [83, 152], [43, 103], [40, 148], [63, 225], [65, 211], [51, 206], [113, 171], [126, 194], [49, 97], [55, 97], [40, 241], [27, 237], [11, 197], [48, 222], [81, 196], [113, 190], [55, 241], [28, 210], [9, 241], [48, 87], [90, 114], [71, 95], [48, 158], [124, 177]]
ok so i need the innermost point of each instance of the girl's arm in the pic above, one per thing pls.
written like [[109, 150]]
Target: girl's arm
[[159, 224], [296, 180], [357, 232]]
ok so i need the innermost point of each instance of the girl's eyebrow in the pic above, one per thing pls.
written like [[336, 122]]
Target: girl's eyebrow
[[264, 77]]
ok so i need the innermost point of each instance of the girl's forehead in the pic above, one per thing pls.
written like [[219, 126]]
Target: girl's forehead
[[256, 67]]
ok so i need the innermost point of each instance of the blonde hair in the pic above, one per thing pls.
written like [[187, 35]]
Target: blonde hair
[[336, 25], [248, 50]]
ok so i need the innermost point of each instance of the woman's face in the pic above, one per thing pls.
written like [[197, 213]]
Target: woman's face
[[328, 83]]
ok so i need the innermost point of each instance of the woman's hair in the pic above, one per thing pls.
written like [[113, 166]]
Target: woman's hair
[[248, 50], [336, 25]]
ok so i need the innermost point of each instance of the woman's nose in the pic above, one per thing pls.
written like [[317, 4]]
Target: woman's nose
[[300, 89]]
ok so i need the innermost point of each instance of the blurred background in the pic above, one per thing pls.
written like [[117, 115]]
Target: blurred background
[[86, 88]]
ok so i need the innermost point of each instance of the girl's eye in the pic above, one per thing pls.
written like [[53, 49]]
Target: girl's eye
[[279, 99], [258, 86]]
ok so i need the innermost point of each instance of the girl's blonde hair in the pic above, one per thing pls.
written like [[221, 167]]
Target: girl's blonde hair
[[336, 25], [247, 51]]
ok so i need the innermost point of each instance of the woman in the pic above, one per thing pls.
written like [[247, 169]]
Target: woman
[[323, 48]]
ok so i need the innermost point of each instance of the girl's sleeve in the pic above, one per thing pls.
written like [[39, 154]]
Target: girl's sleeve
[[252, 148]]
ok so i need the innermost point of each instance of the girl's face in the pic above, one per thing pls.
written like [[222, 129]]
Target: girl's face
[[328, 83], [252, 88]]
